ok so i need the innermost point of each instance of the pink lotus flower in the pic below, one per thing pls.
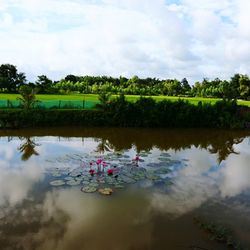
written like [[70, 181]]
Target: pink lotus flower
[[110, 171], [99, 161], [137, 158], [91, 163], [104, 163], [92, 171]]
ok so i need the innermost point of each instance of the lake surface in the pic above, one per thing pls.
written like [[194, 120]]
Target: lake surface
[[181, 180]]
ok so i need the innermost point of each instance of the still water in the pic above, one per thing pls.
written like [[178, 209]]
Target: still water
[[181, 179]]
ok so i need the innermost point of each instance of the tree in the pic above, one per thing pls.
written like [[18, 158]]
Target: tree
[[244, 82], [44, 83], [104, 98], [28, 97], [72, 78], [10, 79], [185, 86], [235, 86], [172, 87]]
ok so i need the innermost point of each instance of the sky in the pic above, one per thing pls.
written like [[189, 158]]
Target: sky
[[195, 39]]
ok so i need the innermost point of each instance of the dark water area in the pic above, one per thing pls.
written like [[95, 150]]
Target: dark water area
[[182, 182]]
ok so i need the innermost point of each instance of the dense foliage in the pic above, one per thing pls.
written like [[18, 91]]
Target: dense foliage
[[237, 87], [145, 112]]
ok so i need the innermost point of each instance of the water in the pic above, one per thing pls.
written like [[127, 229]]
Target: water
[[184, 178]]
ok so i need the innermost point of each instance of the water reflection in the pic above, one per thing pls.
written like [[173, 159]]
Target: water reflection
[[16, 183], [212, 179], [104, 146], [27, 148], [220, 142], [66, 220]]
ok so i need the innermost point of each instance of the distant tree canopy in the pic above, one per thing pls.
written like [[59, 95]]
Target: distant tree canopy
[[237, 87], [10, 79]]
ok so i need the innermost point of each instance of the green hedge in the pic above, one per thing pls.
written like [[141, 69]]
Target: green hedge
[[143, 113]]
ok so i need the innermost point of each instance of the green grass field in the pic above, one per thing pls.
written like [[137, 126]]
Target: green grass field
[[94, 98]]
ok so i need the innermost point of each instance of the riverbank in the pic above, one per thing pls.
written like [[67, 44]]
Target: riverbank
[[143, 113]]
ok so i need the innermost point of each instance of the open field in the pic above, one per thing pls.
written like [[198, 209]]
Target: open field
[[94, 98]]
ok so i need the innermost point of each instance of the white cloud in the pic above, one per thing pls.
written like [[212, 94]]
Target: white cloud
[[193, 39]]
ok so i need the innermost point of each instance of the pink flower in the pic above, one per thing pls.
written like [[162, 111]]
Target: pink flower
[[104, 163], [137, 158], [110, 171], [92, 171], [91, 163], [99, 161]]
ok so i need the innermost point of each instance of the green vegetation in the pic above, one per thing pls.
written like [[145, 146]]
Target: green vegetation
[[92, 99], [107, 101], [145, 112], [28, 97], [238, 87]]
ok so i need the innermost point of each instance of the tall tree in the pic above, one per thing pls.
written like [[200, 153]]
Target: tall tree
[[185, 86], [44, 83], [10, 79], [244, 82]]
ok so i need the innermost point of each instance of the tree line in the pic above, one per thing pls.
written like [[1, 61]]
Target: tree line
[[238, 87]]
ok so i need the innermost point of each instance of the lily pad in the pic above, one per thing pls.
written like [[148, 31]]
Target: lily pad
[[165, 154], [162, 171], [93, 184], [105, 191], [119, 186], [85, 182], [154, 165], [73, 183], [88, 189], [68, 178], [163, 159], [57, 183], [153, 177]]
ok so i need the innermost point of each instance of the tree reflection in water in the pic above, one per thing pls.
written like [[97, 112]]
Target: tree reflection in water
[[104, 146], [225, 149], [220, 142], [27, 148]]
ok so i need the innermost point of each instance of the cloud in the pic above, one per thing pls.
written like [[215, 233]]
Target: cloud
[[176, 39]]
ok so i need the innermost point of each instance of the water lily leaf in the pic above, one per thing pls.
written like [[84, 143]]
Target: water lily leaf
[[127, 179], [163, 159], [126, 156], [56, 173], [153, 177], [162, 170], [155, 165], [57, 183], [85, 182], [105, 191], [79, 178], [119, 186], [73, 183], [93, 184], [88, 189], [68, 178], [165, 154], [101, 181]]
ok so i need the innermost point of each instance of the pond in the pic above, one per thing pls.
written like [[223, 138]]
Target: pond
[[124, 189]]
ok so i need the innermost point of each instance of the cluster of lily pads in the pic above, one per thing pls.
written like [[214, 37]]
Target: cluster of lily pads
[[110, 172]]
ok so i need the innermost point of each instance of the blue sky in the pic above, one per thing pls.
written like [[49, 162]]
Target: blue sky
[[160, 38]]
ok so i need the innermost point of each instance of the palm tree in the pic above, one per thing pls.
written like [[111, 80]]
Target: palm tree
[[28, 96]]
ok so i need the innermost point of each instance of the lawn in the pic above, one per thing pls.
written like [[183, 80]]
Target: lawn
[[94, 98]]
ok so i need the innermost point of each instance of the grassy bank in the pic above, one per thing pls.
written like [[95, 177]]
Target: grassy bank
[[145, 112], [93, 97]]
